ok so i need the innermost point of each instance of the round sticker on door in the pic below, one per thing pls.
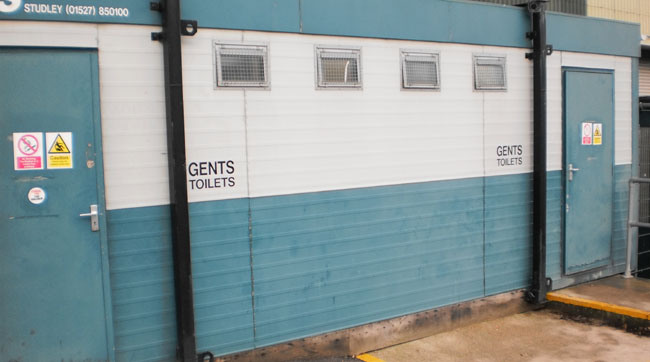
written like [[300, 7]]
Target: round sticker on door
[[36, 195]]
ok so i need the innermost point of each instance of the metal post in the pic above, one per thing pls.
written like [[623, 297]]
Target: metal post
[[179, 206], [630, 216], [539, 286], [632, 210]]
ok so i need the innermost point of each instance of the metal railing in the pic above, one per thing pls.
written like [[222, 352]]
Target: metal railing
[[634, 222]]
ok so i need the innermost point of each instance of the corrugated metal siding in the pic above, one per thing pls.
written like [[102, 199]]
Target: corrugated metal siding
[[644, 171], [303, 140], [644, 78], [222, 276], [623, 111], [323, 259], [142, 284], [132, 98], [554, 219], [508, 233], [331, 260], [577, 7]]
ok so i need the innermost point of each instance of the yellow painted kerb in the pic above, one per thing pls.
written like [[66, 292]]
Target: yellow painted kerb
[[581, 302], [369, 358]]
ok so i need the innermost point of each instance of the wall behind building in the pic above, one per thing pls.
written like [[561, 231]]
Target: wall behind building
[[634, 11], [577, 7]]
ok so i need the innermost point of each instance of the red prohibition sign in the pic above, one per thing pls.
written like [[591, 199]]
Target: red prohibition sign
[[28, 145]]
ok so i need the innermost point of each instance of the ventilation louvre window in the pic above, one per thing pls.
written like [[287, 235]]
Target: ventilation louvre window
[[242, 65], [420, 70], [489, 73], [338, 67]]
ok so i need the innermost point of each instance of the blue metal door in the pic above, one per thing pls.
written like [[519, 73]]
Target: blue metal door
[[52, 305], [588, 168]]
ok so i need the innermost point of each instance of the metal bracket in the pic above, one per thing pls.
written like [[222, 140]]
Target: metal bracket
[[189, 27], [549, 50], [204, 355], [535, 6], [156, 6]]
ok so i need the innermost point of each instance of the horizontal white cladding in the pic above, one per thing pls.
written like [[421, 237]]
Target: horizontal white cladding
[[294, 138], [303, 139], [42, 34], [132, 98]]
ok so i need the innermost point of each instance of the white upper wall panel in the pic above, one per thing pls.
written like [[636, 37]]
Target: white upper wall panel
[[295, 138], [554, 112], [133, 117], [44, 34], [215, 124], [303, 139], [508, 117]]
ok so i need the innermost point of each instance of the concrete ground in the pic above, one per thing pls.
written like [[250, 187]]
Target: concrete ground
[[539, 336], [625, 296]]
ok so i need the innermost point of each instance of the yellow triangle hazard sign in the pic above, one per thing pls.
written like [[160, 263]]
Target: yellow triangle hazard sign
[[59, 146], [597, 132]]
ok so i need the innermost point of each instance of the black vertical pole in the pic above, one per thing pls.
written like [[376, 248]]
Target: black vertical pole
[[539, 286], [180, 219]]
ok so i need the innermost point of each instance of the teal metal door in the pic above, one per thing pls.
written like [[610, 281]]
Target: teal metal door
[[52, 270], [588, 168]]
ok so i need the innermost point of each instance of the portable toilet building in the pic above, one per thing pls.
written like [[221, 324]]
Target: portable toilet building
[[346, 163]]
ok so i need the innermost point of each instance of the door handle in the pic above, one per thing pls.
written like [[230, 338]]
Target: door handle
[[94, 218], [571, 171]]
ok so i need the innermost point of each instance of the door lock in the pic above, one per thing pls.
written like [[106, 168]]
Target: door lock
[[94, 218], [571, 171]]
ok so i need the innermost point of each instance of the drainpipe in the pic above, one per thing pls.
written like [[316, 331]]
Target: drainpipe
[[172, 29], [540, 284]]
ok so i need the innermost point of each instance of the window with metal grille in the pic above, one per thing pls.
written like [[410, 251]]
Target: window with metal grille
[[420, 70], [242, 65], [338, 67], [489, 73]]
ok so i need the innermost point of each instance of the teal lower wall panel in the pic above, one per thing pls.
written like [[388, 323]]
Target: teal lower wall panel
[[331, 260], [142, 283], [222, 276], [554, 220], [508, 232]]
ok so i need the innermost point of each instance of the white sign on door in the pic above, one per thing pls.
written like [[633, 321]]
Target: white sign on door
[[587, 133], [28, 151]]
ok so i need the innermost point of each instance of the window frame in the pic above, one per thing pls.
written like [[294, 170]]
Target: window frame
[[354, 52], [434, 54], [490, 59], [232, 48]]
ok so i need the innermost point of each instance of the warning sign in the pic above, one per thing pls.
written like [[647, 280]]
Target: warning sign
[[28, 151], [587, 128], [59, 149], [598, 133]]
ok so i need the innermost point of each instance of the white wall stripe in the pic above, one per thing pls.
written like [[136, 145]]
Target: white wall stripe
[[301, 139]]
